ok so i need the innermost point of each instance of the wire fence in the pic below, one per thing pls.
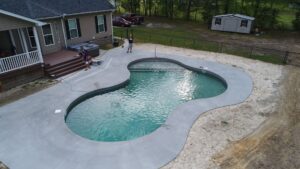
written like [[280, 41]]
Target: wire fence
[[249, 51]]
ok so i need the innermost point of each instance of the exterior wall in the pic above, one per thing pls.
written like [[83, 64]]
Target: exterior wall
[[231, 24], [22, 76], [245, 29], [216, 27], [88, 29], [88, 32], [8, 23], [58, 37]]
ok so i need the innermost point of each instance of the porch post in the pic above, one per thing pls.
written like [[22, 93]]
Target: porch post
[[24, 42], [20, 38], [38, 46], [13, 41]]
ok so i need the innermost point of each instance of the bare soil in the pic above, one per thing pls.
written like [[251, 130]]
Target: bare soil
[[3, 166], [276, 144], [25, 90]]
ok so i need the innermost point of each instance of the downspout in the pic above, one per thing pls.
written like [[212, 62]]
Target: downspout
[[63, 29], [112, 30]]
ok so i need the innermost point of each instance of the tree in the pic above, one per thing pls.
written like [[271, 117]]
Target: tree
[[296, 22], [188, 10], [208, 11]]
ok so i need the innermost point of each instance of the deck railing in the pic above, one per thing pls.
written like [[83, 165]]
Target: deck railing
[[19, 61]]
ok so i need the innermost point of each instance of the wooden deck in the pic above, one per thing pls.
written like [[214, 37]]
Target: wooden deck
[[59, 57]]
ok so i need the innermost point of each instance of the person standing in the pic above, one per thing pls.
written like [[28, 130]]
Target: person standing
[[130, 41], [85, 56]]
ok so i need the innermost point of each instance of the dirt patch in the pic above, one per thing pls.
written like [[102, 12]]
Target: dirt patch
[[25, 90], [160, 25], [3, 166], [276, 143]]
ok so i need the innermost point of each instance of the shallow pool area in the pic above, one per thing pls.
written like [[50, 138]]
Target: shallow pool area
[[154, 90]]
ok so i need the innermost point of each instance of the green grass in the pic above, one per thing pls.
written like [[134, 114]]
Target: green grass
[[189, 35]]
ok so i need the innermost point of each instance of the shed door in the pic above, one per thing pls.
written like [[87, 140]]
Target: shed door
[[230, 24]]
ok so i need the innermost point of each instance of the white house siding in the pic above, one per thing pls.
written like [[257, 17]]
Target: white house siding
[[245, 29], [216, 27], [231, 23]]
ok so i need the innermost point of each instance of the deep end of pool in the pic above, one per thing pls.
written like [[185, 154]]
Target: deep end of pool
[[142, 104]]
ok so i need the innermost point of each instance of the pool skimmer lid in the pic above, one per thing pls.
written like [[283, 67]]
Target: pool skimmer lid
[[57, 111]]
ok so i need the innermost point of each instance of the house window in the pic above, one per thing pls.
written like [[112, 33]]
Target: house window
[[218, 21], [244, 23], [73, 29], [100, 23], [48, 34], [31, 37]]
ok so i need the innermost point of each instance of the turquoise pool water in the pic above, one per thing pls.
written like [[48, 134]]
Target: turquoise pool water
[[154, 90]]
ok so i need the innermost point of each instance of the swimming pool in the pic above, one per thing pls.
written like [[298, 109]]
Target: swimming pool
[[155, 88]]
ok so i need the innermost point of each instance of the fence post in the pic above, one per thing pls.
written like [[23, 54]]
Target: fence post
[[193, 43], [251, 54], [285, 59], [222, 45]]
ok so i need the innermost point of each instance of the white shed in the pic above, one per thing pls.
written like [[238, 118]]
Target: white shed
[[232, 23]]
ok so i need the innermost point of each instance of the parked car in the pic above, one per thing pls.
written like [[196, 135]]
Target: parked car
[[119, 21], [134, 18]]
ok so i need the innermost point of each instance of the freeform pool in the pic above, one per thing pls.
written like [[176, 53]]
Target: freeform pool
[[155, 88]]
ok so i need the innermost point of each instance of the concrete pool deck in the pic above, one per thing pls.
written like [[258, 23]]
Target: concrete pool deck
[[33, 136]]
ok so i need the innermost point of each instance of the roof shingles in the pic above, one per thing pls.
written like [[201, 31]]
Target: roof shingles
[[39, 9]]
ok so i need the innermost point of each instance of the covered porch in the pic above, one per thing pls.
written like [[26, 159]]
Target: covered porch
[[19, 45], [15, 52]]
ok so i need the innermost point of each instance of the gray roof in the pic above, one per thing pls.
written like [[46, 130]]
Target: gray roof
[[39, 9], [237, 15]]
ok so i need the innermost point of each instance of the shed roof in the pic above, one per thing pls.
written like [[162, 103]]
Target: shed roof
[[42, 9], [237, 15]]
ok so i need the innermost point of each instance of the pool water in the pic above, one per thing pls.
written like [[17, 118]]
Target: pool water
[[154, 90]]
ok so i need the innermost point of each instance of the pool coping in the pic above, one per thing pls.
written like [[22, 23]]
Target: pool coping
[[41, 138]]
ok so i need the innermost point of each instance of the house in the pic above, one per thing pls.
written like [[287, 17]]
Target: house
[[32, 29], [232, 23]]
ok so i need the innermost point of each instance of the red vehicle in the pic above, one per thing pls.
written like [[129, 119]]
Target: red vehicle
[[134, 18], [119, 21]]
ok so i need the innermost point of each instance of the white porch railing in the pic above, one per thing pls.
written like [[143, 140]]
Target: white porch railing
[[19, 61]]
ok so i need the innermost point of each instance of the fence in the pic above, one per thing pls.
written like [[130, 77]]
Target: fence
[[250, 51], [19, 61]]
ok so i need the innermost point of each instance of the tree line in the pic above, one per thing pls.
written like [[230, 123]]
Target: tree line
[[266, 12]]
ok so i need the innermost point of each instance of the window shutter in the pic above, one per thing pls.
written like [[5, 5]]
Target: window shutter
[[78, 27], [96, 24], [67, 29], [105, 25]]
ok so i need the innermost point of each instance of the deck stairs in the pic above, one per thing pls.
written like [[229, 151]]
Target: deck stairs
[[66, 67]]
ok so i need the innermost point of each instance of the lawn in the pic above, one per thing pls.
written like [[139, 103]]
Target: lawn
[[193, 35]]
